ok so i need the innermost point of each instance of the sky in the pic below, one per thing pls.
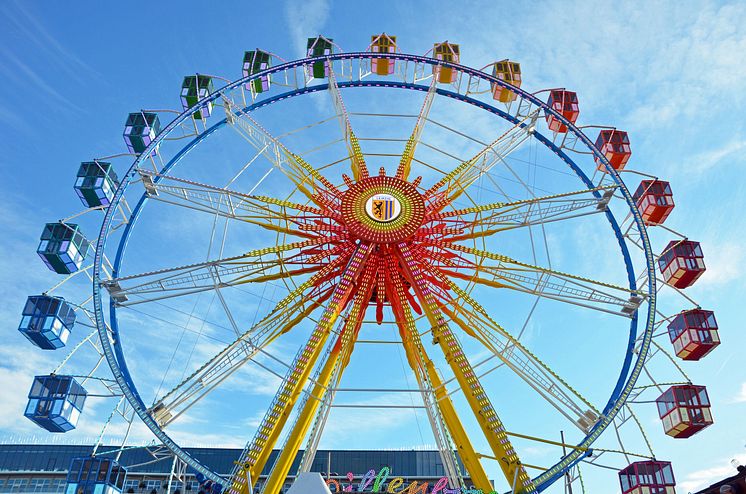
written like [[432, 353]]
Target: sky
[[669, 73]]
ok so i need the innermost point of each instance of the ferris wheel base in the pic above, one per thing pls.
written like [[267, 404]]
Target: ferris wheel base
[[309, 483]]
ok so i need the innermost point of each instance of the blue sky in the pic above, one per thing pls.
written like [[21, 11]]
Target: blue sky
[[671, 74]]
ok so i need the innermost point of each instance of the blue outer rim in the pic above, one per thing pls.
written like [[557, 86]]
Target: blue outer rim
[[113, 350]]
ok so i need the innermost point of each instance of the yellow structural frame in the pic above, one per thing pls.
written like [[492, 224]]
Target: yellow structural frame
[[420, 362], [477, 398], [340, 355], [268, 433]]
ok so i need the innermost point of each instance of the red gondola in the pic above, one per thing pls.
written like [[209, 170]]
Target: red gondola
[[682, 263], [694, 333], [684, 410], [614, 145], [566, 104], [648, 477], [654, 200]]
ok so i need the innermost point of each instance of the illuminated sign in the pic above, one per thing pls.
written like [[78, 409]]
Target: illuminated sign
[[377, 483]]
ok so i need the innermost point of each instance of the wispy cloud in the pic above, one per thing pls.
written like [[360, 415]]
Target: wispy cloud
[[707, 160], [717, 471], [24, 74], [724, 261], [741, 396], [305, 20], [32, 30], [15, 121]]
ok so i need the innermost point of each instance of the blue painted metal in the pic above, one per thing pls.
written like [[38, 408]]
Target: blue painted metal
[[629, 374]]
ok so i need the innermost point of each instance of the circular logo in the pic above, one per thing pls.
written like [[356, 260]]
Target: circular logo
[[383, 207]]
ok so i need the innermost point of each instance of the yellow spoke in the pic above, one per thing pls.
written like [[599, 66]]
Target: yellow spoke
[[357, 160], [305, 177], [475, 394], [429, 379], [405, 164], [257, 452], [335, 361]]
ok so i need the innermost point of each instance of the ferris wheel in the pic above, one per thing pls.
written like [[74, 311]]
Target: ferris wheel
[[227, 246]]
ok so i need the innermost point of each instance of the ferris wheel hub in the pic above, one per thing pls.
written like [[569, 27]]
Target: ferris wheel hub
[[383, 209]]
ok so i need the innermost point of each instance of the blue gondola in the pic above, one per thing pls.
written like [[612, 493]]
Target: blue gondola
[[62, 247], [95, 475], [55, 402], [46, 321], [206, 485]]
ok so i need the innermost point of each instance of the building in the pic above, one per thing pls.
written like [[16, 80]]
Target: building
[[42, 469]]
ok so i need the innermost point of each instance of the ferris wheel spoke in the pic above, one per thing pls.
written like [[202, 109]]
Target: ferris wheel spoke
[[449, 433], [357, 160], [483, 221], [261, 265], [256, 454], [446, 190], [273, 214], [325, 383], [405, 164], [555, 285], [306, 178], [484, 412], [474, 320], [284, 316]]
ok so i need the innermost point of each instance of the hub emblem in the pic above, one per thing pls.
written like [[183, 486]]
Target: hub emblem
[[383, 207]]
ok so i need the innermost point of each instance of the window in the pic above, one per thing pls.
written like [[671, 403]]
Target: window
[[40, 485], [16, 485], [131, 484], [58, 485]]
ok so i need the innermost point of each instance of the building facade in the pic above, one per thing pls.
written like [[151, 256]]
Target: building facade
[[42, 469]]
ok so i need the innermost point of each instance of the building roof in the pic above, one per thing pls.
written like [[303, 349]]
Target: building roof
[[52, 458]]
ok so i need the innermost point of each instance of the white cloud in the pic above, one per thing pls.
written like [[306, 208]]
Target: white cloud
[[305, 19], [21, 71], [19, 365], [654, 64], [344, 424], [724, 261], [38, 34], [707, 160], [702, 478], [695, 60], [741, 396]]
